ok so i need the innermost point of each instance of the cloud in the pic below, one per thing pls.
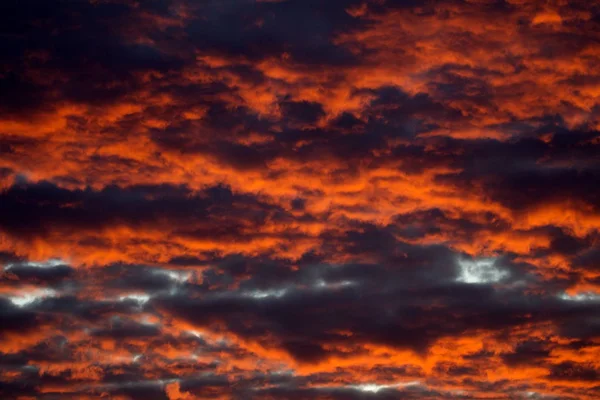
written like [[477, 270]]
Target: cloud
[[299, 199]]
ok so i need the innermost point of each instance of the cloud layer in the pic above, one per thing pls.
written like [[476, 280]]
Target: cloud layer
[[295, 199]]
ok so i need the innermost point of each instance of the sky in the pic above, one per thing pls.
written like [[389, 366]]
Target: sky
[[299, 199]]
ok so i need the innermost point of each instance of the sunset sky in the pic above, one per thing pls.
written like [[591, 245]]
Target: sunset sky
[[299, 199]]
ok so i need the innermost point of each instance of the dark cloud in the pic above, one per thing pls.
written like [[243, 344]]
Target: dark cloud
[[35, 273], [302, 111], [527, 353], [574, 371], [304, 30], [38, 209], [16, 319]]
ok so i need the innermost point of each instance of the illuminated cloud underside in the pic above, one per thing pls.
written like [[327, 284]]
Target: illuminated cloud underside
[[480, 271], [299, 199]]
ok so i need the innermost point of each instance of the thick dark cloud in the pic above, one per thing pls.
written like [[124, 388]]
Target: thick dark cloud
[[574, 371], [304, 30], [15, 319], [34, 209], [377, 303], [527, 353], [35, 273], [76, 51], [302, 111]]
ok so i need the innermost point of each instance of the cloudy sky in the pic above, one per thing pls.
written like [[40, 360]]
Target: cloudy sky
[[299, 199]]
